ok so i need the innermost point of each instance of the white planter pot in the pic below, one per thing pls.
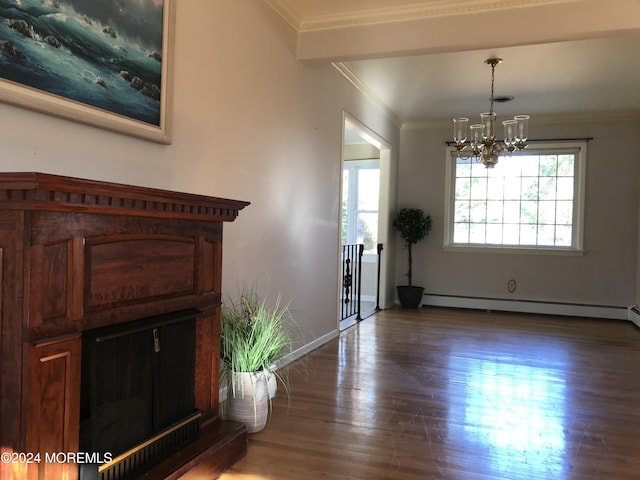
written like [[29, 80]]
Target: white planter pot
[[248, 400], [272, 382]]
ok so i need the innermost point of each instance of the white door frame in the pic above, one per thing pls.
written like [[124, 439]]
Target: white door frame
[[384, 206]]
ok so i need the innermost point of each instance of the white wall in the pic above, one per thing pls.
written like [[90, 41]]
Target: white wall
[[250, 123], [605, 275]]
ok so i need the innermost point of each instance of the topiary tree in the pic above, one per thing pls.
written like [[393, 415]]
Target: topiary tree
[[413, 225]]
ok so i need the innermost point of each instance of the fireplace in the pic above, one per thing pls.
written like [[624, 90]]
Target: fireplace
[[110, 309], [136, 401]]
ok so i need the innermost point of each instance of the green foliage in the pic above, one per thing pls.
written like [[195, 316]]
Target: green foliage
[[367, 238], [412, 224], [254, 334]]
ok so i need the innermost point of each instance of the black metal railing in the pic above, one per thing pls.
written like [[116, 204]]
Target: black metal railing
[[351, 287]]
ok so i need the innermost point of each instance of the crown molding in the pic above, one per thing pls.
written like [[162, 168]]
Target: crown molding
[[286, 12], [402, 13], [344, 69]]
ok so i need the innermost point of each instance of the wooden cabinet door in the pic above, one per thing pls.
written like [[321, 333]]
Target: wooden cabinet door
[[54, 404]]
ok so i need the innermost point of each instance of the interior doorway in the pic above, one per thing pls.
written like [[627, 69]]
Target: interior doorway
[[364, 222]]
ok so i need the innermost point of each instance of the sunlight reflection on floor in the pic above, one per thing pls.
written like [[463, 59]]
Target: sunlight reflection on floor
[[236, 476], [514, 413]]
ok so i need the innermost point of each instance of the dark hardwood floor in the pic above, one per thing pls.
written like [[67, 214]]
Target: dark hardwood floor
[[458, 394]]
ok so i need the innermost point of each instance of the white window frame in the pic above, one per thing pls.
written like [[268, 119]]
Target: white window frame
[[577, 243], [354, 166]]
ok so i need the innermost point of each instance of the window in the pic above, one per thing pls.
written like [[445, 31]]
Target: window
[[531, 200], [360, 193]]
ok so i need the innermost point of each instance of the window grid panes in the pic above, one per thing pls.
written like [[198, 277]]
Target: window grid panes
[[360, 197], [528, 200]]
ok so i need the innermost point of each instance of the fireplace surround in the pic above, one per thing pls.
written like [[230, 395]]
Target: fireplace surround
[[79, 256]]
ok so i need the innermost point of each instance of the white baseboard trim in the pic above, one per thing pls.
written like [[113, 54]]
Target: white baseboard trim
[[633, 314], [302, 351], [291, 357], [528, 306]]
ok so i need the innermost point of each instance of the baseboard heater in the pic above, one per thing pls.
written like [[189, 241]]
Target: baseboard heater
[[528, 306]]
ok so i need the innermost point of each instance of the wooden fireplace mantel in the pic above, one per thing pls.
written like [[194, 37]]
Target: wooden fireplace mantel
[[44, 192], [78, 254]]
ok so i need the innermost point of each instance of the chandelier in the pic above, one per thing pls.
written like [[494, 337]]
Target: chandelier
[[485, 147]]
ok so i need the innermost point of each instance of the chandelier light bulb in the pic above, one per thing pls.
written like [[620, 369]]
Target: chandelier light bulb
[[488, 120], [477, 133], [522, 132], [460, 129], [509, 131]]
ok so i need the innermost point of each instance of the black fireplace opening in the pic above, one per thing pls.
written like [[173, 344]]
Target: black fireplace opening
[[137, 393]]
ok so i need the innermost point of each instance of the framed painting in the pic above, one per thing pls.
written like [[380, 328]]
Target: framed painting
[[106, 63]]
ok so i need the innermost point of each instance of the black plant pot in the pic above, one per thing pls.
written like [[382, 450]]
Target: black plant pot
[[410, 296]]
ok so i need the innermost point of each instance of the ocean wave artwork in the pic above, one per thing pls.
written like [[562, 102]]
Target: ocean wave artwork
[[105, 54]]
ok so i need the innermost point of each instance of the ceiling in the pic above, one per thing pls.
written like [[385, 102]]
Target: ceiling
[[582, 77]]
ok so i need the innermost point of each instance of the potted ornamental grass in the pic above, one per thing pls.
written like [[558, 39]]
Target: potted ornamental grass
[[255, 336], [413, 225]]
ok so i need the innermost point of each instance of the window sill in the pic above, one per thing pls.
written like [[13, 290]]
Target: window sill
[[513, 250]]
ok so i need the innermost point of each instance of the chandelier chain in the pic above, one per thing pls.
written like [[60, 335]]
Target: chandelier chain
[[493, 70]]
